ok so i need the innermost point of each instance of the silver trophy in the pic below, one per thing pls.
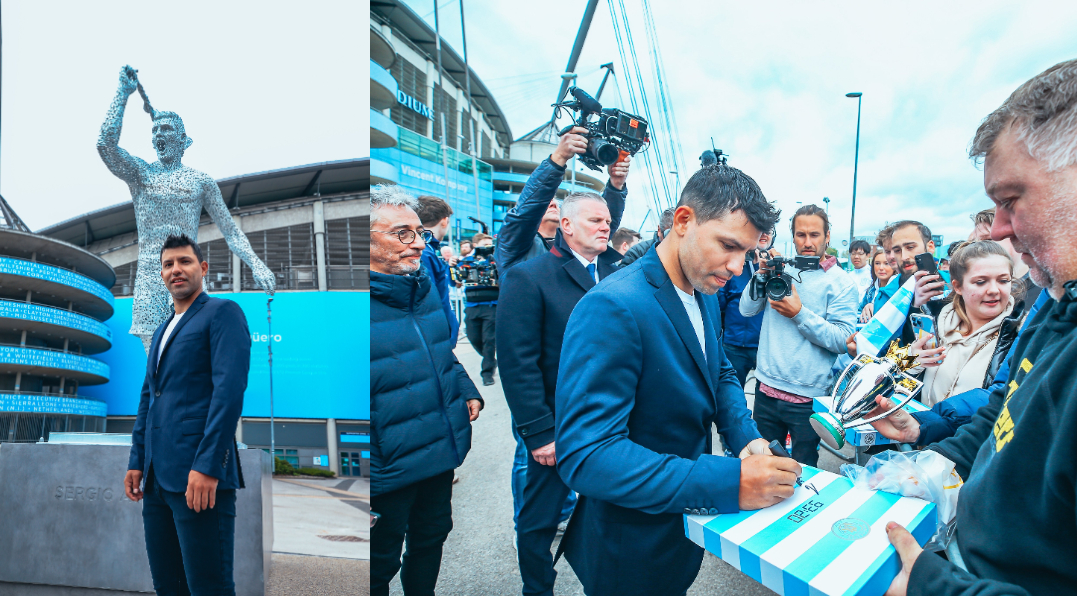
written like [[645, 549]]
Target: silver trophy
[[854, 395]]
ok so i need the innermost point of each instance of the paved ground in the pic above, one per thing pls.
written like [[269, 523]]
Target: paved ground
[[479, 558], [306, 513], [297, 575], [325, 517]]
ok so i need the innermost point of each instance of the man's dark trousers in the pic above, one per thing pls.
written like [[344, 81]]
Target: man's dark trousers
[[540, 512], [776, 417], [742, 359], [480, 322], [203, 543], [423, 512]]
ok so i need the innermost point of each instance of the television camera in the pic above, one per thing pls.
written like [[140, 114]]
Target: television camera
[[478, 271], [612, 136], [774, 282]]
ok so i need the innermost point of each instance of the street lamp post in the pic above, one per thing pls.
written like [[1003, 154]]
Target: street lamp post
[[856, 163]]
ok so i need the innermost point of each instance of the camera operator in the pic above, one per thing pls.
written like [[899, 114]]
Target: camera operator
[[529, 228], [740, 335], [801, 335], [480, 309]]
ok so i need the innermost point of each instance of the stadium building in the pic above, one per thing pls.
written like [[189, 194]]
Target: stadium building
[[54, 304], [311, 226], [481, 173]]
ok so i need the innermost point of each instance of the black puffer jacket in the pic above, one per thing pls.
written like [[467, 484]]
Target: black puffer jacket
[[418, 391]]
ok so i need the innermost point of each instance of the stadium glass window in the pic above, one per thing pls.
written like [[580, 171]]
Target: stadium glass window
[[487, 151], [347, 253], [289, 253], [411, 81], [125, 279], [289, 455]]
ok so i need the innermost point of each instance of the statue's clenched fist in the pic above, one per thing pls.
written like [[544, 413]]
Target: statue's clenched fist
[[128, 80]]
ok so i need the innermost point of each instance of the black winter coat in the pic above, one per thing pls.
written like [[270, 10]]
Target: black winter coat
[[420, 424]]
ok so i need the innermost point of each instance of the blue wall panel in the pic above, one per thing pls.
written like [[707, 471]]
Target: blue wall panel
[[321, 356]]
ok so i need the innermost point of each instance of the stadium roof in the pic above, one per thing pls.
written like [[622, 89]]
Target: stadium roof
[[331, 177], [400, 16]]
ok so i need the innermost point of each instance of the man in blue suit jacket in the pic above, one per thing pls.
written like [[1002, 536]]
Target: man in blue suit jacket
[[183, 442], [642, 379], [537, 297]]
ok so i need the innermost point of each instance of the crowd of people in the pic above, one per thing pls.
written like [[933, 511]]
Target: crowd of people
[[618, 355]]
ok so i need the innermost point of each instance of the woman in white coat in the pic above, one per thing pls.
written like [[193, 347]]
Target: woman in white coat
[[981, 275]]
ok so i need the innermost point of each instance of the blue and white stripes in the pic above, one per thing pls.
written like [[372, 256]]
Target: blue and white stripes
[[826, 544], [874, 338]]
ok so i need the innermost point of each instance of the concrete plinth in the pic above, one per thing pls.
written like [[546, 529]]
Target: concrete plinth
[[66, 526]]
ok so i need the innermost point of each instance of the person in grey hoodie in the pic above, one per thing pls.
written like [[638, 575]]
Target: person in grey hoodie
[[801, 336]]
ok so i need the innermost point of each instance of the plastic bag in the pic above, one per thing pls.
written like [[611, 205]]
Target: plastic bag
[[923, 474]]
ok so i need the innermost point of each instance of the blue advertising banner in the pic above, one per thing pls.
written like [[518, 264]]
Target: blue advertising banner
[[21, 356], [50, 404], [321, 356], [54, 274], [53, 316]]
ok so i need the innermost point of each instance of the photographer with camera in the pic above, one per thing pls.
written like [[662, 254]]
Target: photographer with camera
[[740, 335], [478, 274], [810, 314], [529, 228]]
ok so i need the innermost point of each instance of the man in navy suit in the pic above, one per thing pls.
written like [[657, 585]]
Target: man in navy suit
[[183, 443], [642, 378], [537, 297]]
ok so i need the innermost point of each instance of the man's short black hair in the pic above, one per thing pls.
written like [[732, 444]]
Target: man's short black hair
[[716, 191], [174, 241], [860, 245]]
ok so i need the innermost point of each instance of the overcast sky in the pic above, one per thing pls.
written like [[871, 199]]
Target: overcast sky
[[768, 82], [260, 85]]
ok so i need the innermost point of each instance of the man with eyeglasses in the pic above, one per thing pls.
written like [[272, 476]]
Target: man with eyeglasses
[[422, 402]]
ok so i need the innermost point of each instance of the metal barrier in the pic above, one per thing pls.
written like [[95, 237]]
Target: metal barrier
[[21, 427]]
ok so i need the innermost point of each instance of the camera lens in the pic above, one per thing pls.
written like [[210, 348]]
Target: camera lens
[[777, 288], [605, 152]]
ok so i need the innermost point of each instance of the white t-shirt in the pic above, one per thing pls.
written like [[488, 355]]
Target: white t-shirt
[[166, 335], [695, 316], [862, 278], [585, 263]]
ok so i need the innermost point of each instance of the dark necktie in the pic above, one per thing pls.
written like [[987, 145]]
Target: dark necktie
[[591, 271]]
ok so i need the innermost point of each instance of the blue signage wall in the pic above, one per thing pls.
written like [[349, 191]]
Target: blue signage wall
[[321, 356], [54, 274]]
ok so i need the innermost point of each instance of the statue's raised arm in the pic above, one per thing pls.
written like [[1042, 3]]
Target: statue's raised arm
[[237, 241], [121, 163]]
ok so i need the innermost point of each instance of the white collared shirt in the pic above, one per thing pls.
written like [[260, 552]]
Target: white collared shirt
[[585, 263]]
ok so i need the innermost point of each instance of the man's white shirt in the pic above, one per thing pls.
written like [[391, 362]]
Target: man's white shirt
[[695, 316], [585, 263], [166, 335]]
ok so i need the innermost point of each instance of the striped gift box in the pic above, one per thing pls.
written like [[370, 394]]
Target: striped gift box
[[831, 543], [865, 436]]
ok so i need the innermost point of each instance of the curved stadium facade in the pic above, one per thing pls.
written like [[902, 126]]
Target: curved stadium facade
[[54, 305], [310, 225], [481, 173]]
